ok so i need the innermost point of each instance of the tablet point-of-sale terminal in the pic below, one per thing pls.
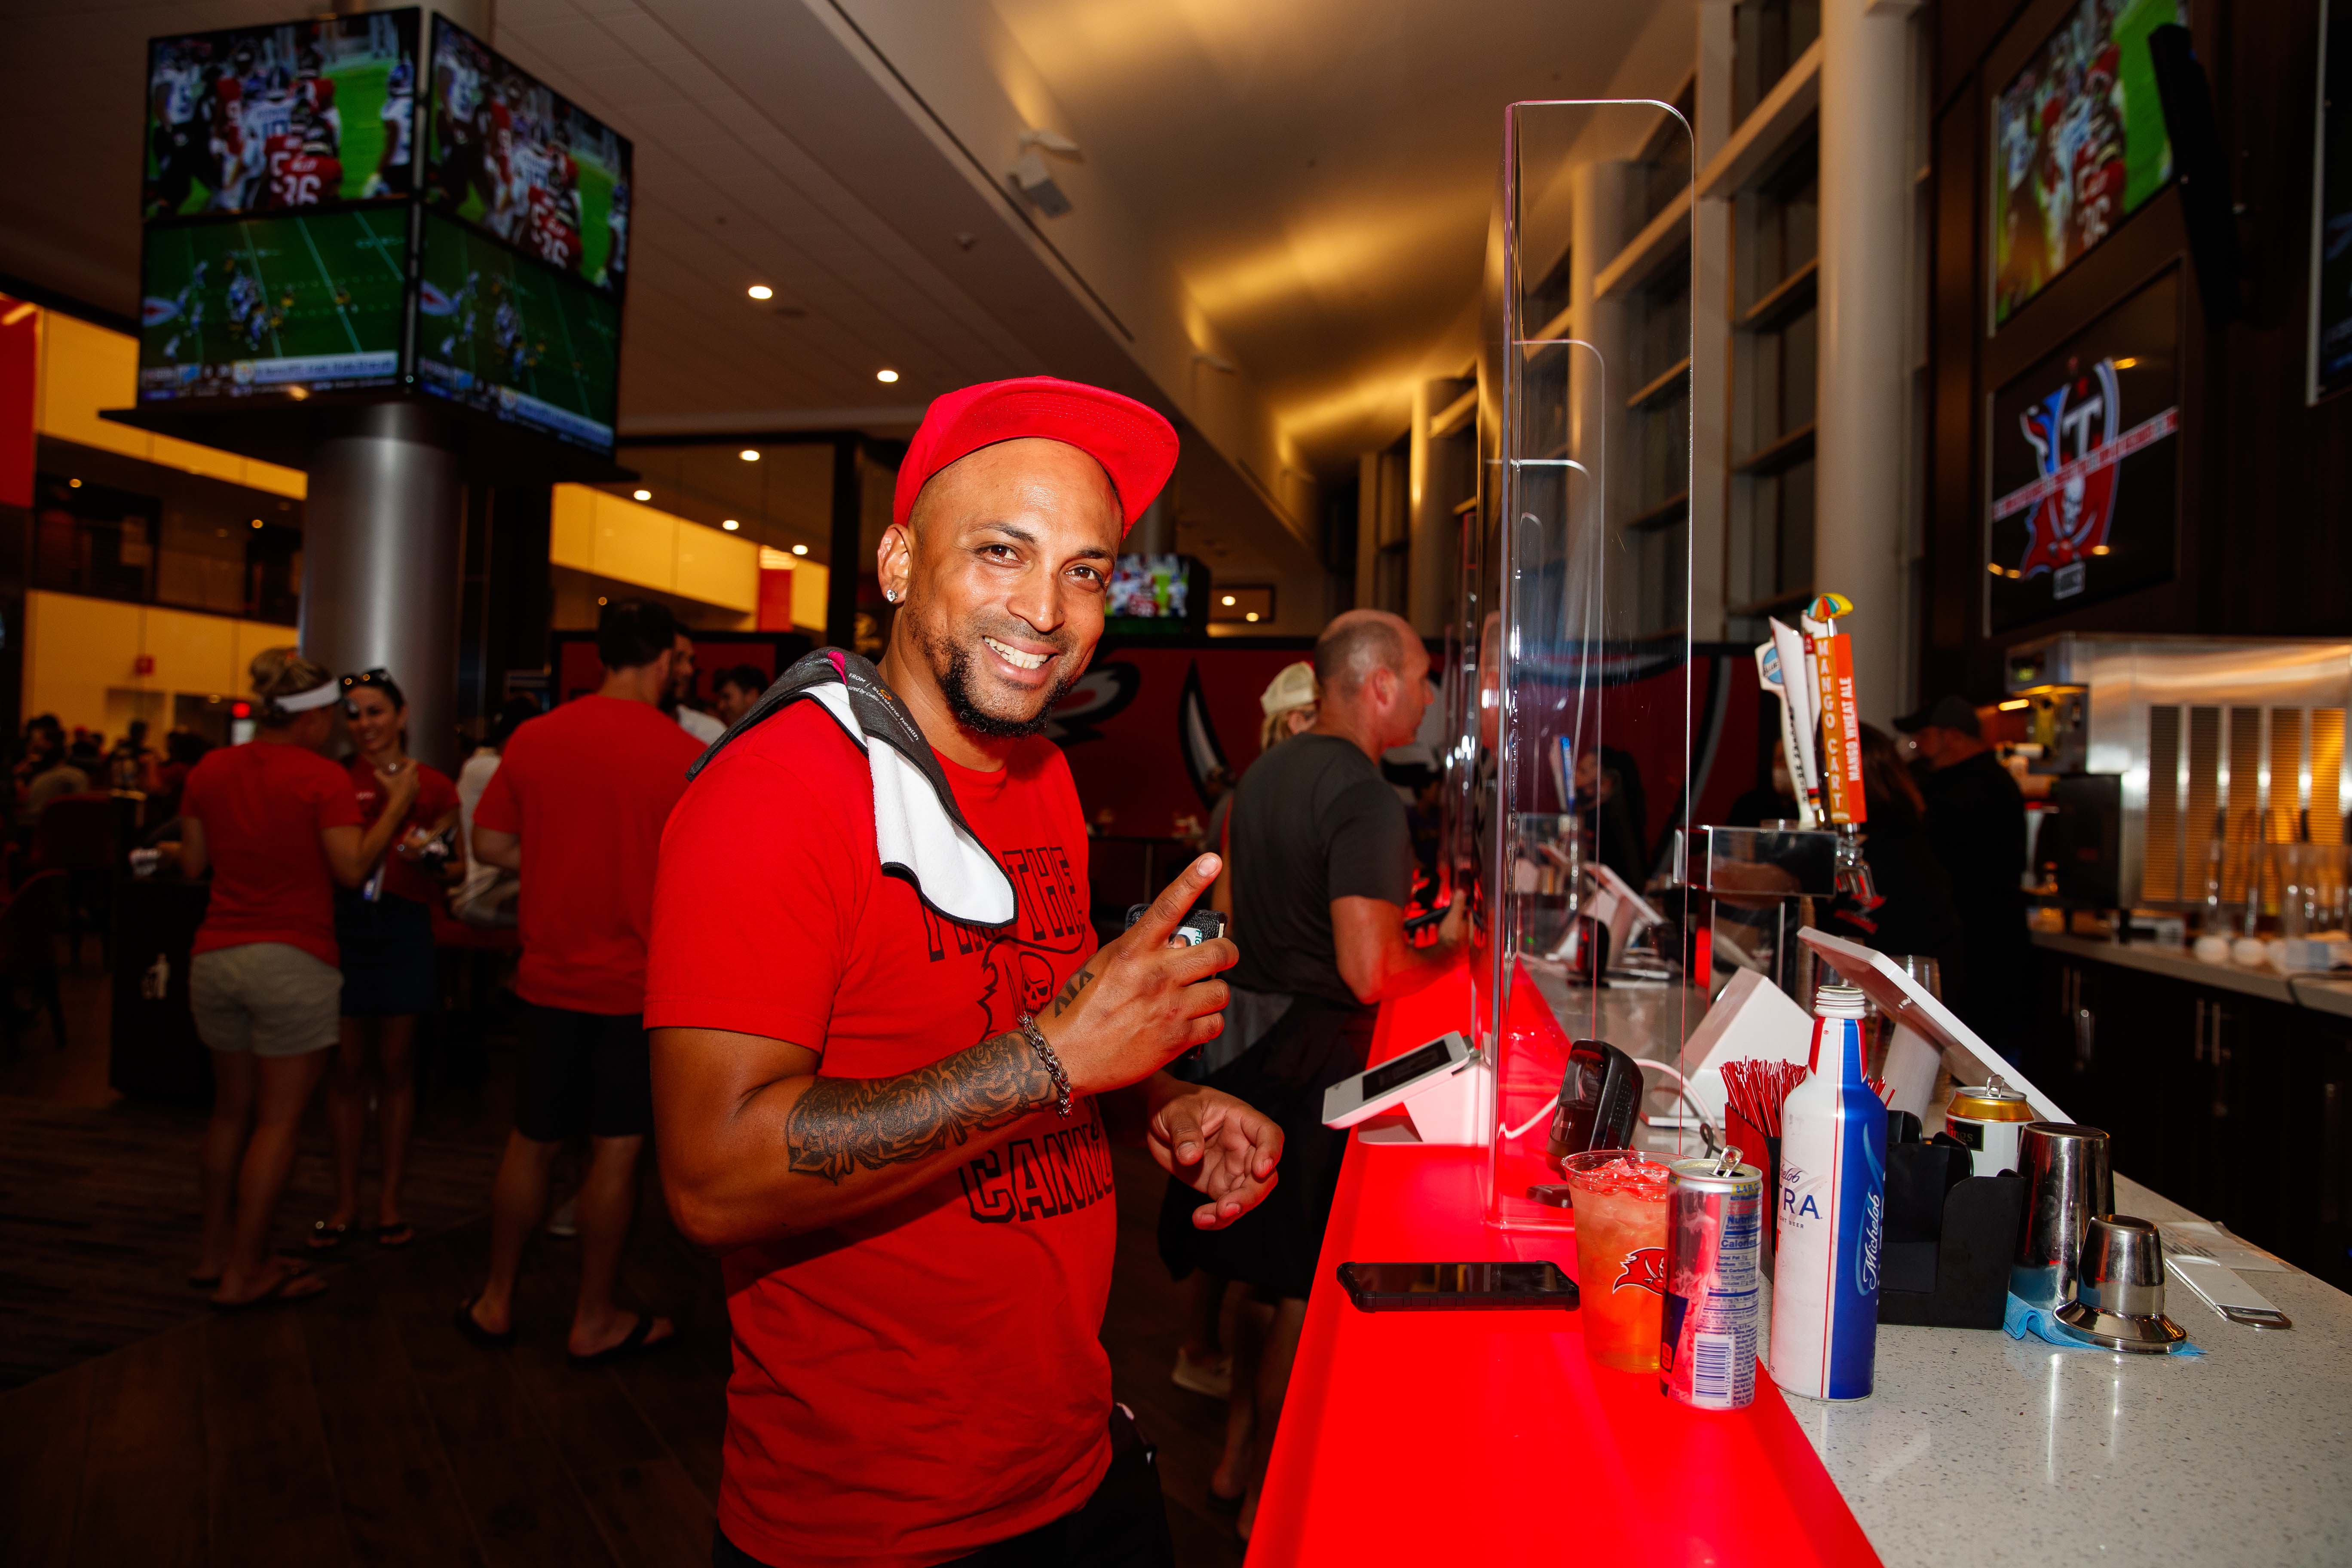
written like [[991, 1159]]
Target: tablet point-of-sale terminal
[[1444, 1090]]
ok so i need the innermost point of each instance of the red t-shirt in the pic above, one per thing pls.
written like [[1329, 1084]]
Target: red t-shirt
[[435, 797], [263, 805], [588, 787], [927, 1379]]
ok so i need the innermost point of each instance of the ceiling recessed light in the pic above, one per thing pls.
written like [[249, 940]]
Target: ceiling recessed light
[[731, 525], [761, 291], [800, 549], [600, 598], [1251, 616], [886, 376], [748, 454], [642, 495], [1229, 598], [73, 484], [256, 523]]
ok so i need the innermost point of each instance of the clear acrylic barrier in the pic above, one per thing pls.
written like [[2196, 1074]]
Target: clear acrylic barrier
[[1572, 771]]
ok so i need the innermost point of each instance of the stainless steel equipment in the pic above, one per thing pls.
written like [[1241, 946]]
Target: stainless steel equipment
[[2218, 749], [2120, 1302], [1760, 882], [2067, 1182]]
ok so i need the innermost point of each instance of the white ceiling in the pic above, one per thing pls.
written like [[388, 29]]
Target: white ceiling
[[1317, 172]]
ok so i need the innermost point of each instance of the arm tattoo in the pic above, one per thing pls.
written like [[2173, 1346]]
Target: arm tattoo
[[1079, 982], [842, 1123]]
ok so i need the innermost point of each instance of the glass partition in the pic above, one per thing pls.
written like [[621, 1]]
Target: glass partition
[[1570, 772]]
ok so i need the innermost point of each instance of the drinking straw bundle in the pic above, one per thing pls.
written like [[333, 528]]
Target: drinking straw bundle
[[1757, 1089]]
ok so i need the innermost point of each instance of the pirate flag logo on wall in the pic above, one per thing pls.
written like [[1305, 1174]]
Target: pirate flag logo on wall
[[2083, 468], [2067, 428]]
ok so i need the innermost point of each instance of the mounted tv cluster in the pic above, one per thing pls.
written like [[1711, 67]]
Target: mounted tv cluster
[[329, 218]]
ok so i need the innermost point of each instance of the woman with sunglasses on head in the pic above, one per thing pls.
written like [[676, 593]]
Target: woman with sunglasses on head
[[280, 827], [384, 927]]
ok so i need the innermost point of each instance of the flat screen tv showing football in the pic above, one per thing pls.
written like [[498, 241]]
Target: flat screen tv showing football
[[258, 305], [502, 333], [1156, 593], [2078, 144], [285, 255], [513, 157], [294, 114]]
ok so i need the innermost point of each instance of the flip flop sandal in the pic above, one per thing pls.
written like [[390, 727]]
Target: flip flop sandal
[[325, 1235], [395, 1237], [634, 1344], [279, 1293], [471, 1327]]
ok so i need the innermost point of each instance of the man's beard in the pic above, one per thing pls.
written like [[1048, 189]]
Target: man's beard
[[955, 685]]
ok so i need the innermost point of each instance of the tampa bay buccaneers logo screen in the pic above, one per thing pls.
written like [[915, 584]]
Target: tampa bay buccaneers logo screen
[[2085, 467]]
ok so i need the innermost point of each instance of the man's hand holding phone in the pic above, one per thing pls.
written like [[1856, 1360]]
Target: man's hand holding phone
[[1140, 1002]]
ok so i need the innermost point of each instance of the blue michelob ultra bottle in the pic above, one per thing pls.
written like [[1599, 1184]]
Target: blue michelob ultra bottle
[[1832, 1213]]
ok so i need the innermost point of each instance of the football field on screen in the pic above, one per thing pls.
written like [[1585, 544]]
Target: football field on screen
[[330, 284], [561, 344]]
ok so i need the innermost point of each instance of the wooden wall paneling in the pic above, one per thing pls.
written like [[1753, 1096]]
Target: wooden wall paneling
[[1954, 596], [2281, 563], [1964, 29]]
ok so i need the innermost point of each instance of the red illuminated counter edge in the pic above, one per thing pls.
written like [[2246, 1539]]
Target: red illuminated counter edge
[[1456, 1438], [1414, 1437]]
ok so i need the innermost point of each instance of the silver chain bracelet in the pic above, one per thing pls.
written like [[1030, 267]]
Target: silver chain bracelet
[[1037, 1043]]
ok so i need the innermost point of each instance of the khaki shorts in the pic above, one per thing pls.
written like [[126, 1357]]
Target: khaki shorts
[[268, 997]]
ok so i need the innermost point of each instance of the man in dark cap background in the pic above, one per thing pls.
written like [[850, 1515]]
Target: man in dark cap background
[[1975, 824]]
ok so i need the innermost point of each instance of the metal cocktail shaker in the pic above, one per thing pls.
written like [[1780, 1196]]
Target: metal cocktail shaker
[[2067, 1182]]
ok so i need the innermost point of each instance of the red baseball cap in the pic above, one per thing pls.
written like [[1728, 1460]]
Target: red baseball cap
[[1136, 447]]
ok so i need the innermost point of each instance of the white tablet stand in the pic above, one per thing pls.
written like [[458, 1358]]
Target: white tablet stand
[[1452, 1104], [1925, 1029]]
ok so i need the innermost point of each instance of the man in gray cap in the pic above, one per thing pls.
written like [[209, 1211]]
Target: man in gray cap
[[1975, 824]]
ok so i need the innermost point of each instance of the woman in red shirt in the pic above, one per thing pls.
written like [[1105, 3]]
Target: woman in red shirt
[[385, 929], [279, 825]]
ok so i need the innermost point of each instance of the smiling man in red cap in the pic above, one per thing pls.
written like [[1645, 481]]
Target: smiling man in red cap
[[889, 1058]]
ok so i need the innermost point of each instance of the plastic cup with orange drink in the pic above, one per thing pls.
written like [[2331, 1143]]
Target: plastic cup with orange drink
[[1621, 1203]]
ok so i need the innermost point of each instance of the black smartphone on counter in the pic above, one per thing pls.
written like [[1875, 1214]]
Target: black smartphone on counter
[[1457, 1287]]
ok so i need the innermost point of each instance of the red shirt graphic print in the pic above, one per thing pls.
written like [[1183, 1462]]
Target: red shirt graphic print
[[926, 1379]]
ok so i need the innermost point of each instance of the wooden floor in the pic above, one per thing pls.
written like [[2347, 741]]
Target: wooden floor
[[360, 1428]]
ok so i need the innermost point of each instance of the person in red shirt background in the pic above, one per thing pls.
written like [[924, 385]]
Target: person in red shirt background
[[385, 929], [892, 1122], [576, 809], [278, 826]]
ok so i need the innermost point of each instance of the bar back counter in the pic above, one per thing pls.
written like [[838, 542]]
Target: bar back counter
[[1456, 1437]]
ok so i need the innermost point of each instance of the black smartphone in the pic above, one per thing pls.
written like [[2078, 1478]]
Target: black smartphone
[[1202, 924], [1456, 1287]]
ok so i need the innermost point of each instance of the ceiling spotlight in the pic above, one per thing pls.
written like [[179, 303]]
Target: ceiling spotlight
[[731, 525], [73, 484], [1251, 616], [600, 598], [886, 376], [761, 291], [1229, 599], [641, 495], [750, 454], [800, 549], [256, 523]]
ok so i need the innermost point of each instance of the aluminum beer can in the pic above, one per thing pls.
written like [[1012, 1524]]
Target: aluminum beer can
[[1988, 1117], [1707, 1348]]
